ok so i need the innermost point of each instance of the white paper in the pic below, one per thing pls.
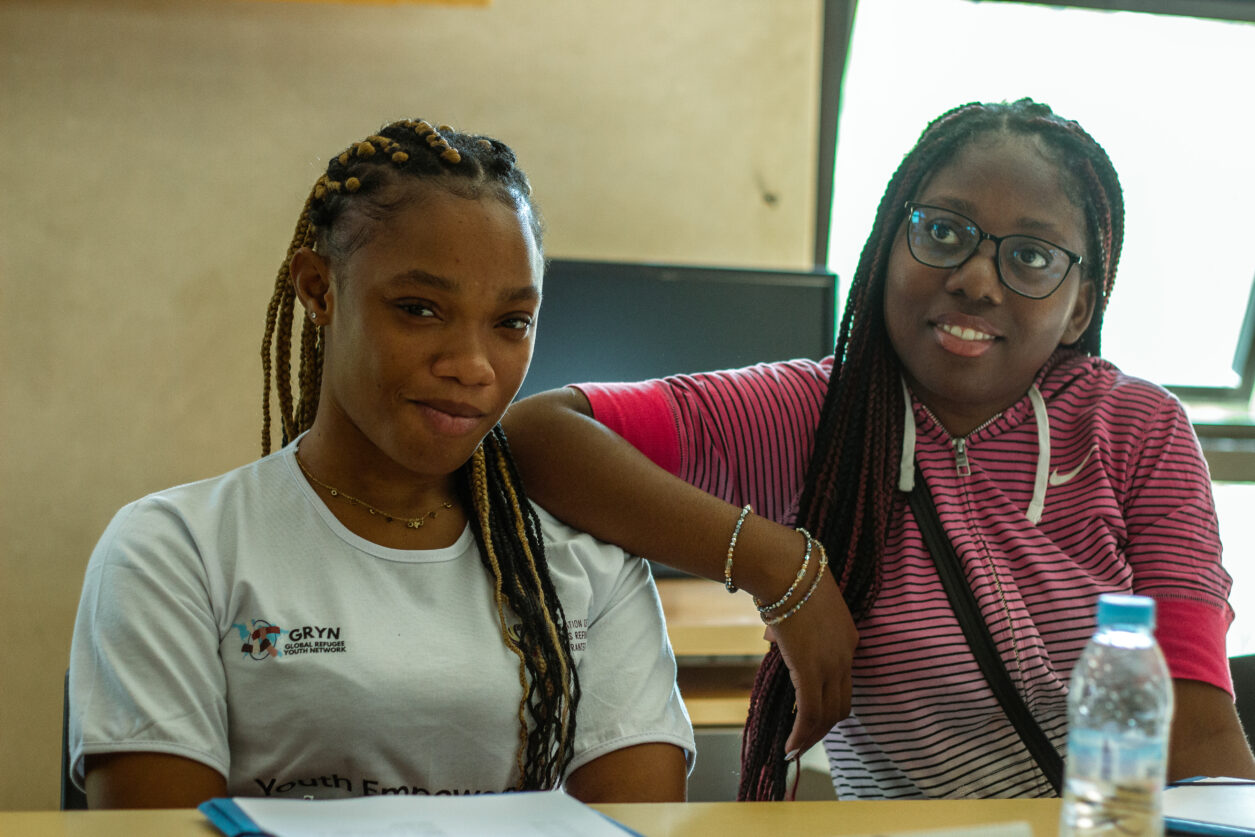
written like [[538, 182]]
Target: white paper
[[1206, 801], [490, 815]]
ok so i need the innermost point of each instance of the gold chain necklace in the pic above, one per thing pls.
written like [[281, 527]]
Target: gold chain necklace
[[410, 522]]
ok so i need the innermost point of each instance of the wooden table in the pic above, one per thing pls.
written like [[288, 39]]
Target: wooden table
[[718, 643], [706, 623], [725, 819]]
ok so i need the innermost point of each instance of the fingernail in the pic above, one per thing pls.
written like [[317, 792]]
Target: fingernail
[[791, 755]]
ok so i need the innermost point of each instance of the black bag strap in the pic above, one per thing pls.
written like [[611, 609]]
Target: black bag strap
[[978, 637]]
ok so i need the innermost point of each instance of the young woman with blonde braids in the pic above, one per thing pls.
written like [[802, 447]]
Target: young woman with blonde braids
[[967, 367], [376, 607]]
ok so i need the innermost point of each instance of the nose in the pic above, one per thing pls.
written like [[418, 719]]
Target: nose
[[977, 277], [464, 358]]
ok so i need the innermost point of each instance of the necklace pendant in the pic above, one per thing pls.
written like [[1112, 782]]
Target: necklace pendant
[[412, 523]]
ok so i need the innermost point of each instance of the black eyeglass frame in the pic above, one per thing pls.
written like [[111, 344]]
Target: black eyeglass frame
[[982, 236]]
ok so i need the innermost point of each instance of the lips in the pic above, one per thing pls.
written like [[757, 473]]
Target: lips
[[450, 418], [963, 335]]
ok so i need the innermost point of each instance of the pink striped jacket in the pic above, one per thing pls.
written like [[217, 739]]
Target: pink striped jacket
[[1125, 505]]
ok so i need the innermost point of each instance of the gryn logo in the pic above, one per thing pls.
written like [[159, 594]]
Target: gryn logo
[[260, 639], [1057, 479]]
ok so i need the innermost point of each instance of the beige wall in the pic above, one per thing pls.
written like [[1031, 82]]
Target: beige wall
[[154, 156]]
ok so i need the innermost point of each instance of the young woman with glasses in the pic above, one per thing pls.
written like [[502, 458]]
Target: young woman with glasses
[[967, 358], [376, 608]]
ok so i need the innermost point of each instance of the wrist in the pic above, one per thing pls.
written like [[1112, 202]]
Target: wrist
[[787, 605], [765, 561]]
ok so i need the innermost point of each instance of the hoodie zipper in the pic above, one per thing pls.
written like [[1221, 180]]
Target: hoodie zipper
[[962, 465], [960, 457]]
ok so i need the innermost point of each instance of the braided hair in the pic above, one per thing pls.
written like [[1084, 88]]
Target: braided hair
[[848, 497], [364, 184]]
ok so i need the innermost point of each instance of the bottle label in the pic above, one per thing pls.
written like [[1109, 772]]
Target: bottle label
[[1116, 757]]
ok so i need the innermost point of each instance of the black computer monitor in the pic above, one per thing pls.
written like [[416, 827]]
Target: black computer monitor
[[615, 321]]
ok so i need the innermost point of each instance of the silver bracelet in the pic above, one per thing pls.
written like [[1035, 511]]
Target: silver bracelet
[[801, 574], [823, 567], [727, 564]]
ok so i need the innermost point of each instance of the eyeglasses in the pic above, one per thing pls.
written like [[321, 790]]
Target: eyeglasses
[[1029, 266]]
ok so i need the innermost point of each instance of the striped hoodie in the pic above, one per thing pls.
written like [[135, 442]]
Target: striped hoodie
[[1091, 483]]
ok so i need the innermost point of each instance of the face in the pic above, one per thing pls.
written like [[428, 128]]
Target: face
[[428, 328], [970, 346]]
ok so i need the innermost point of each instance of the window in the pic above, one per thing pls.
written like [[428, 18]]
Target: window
[[1165, 95], [1233, 508]]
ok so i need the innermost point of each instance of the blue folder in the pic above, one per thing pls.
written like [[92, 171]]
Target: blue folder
[[229, 818]]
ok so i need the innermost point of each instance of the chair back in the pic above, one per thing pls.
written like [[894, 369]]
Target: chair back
[[72, 799], [1243, 670]]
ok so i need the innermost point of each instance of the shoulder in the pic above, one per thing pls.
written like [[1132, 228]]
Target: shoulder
[[667, 418], [582, 565], [578, 545], [184, 512], [1081, 385], [1137, 424], [801, 374], [757, 391]]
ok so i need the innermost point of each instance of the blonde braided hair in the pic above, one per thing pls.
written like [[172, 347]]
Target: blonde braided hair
[[506, 528]]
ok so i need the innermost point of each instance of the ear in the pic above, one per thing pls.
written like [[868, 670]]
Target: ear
[[311, 279], [1082, 313]]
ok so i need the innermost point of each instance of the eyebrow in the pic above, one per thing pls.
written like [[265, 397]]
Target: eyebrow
[[421, 278], [1024, 222]]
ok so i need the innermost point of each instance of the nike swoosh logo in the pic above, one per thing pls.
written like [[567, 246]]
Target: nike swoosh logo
[[1057, 479]]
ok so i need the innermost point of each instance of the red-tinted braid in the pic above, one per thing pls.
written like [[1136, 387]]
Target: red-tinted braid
[[849, 439], [847, 499], [1102, 201], [1106, 227], [762, 775]]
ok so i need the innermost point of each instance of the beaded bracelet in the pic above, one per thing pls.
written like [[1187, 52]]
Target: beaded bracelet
[[801, 574], [727, 564], [823, 566]]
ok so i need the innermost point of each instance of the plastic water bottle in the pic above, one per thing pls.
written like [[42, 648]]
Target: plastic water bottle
[[1119, 716]]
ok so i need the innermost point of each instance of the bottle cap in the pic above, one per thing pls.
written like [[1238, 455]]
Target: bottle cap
[[1120, 609]]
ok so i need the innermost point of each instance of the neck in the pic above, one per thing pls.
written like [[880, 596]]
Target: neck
[[961, 424], [353, 466]]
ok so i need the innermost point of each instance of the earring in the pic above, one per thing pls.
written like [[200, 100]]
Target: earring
[[313, 316]]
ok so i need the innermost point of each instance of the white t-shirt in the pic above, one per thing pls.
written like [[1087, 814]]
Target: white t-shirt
[[236, 622]]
